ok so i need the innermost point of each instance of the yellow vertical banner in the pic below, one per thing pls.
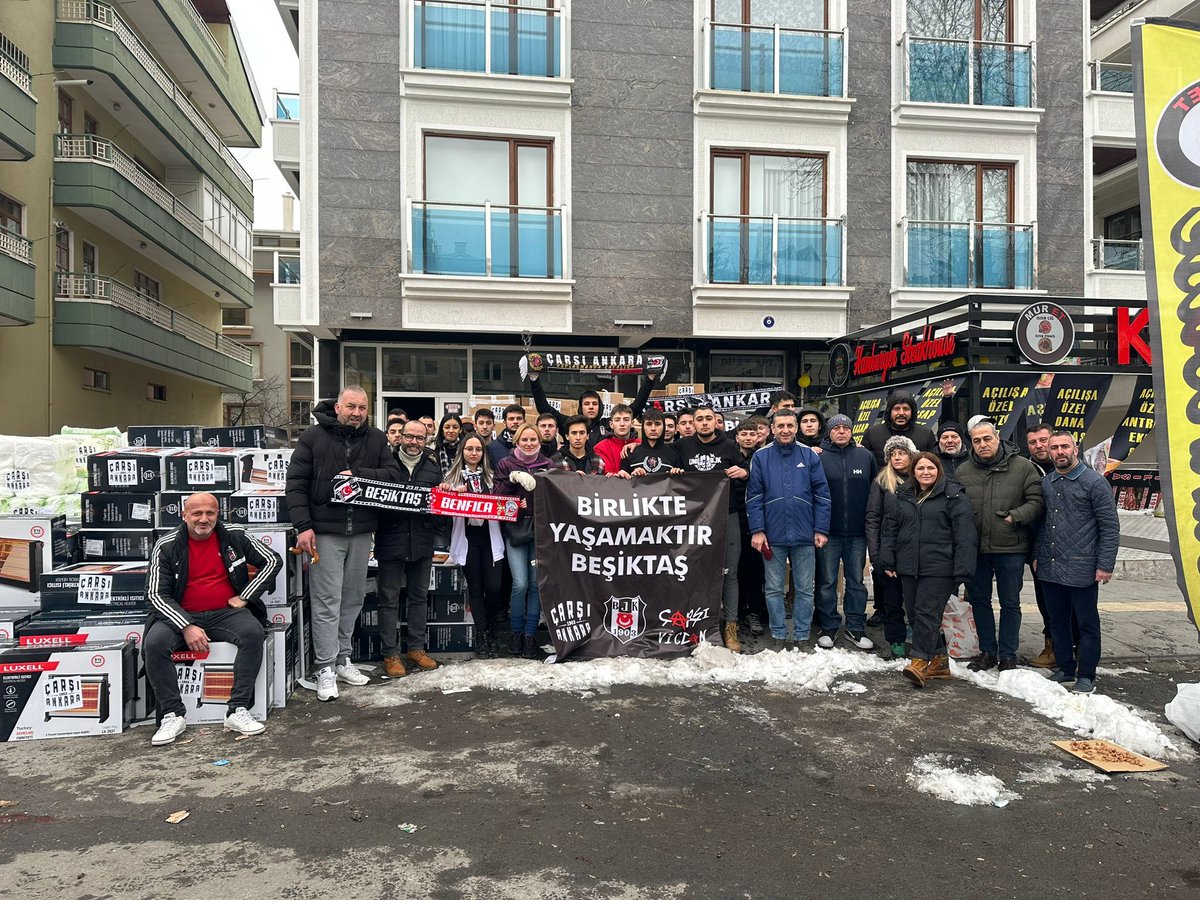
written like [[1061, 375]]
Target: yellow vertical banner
[[1166, 63]]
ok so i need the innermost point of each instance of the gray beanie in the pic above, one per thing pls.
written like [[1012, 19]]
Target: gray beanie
[[840, 419], [899, 442]]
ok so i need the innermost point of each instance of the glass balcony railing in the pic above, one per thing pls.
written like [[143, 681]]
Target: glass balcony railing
[[969, 255], [486, 240], [774, 250], [1110, 76], [1125, 256], [769, 59], [968, 72], [287, 106], [485, 36]]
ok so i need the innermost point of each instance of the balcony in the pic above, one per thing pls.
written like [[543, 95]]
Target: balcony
[[107, 187], [991, 255], [487, 37], [976, 73], [18, 107], [285, 138], [1110, 104], [770, 59], [1117, 271], [100, 313], [91, 39], [774, 250], [17, 275]]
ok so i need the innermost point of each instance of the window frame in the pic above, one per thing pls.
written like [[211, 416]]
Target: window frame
[[977, 22], [514, 144], [62, 245], [747, 10], [66, 112], [85, 246], [744, 188], [980, 167], [6, 216], [91, 376], [153, 389], [138, 277]]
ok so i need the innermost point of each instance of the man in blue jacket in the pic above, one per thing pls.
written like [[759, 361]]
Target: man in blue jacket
[[787, 509], [849, 469]]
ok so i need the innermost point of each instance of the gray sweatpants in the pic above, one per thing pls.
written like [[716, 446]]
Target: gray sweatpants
[[336, 586]]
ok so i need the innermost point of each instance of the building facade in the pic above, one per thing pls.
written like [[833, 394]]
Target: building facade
[[126, 220]]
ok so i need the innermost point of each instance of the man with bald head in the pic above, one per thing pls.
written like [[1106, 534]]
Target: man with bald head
[[199, 589], [341, 443]]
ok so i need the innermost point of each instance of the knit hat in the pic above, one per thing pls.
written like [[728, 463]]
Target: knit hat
[[949, 425], [899, 442], [840, 420]]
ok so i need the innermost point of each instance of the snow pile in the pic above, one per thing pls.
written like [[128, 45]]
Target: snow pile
[[1052, 773], [937, 775], [708, 665], [1088, 715]]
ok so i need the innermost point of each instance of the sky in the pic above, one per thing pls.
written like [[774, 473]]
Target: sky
[[274, 66]]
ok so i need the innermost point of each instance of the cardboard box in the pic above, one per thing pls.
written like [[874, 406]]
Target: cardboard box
[[456, 637], [29, 546], [206, 679], [162, 435], [446, 580], [286, 652], [12, 618], [267, 506], [443, 608], [260, 437], [684, 389], [95, 587], [116, 544], [264, 469], [135, 470], [279, 539], [116, 509], [66, 691], [205, 469], [566, 407], [170, 507]]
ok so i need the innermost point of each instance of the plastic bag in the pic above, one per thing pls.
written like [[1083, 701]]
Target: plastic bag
[[958, 627], [1184, 711]]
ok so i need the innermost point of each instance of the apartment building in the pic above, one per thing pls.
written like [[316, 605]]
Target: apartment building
[[729, 182], [125, 224]]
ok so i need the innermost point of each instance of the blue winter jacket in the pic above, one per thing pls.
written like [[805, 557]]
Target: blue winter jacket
[[849, 471], [787, 497]]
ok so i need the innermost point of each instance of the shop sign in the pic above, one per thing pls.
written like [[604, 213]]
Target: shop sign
[[1044, 333], [914, 349]]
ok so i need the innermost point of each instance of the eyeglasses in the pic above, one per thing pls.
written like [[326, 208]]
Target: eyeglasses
[[412, 437]]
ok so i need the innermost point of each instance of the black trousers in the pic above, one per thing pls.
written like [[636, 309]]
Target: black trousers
[[889, 600], [751, 581], [483, 580], [411, 576], [233, 626], [925, 599]]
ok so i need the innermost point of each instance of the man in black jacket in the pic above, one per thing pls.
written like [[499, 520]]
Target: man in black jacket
[[576, 455], [900, 417], [652, 455], [590, 406], [340, 443], [199, 589]]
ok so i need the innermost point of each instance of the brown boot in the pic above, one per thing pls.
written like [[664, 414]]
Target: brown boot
[[939, 667], [422, 660], [393, 667], [1045, 659], [915, 671], [731, 637]]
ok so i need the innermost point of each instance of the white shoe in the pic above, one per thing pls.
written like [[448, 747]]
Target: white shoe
[[326, 685], [242, 722], [859, 640], [825, 642], [351, 674], [172, 727]]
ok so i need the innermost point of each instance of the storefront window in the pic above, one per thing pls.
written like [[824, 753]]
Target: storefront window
[[359, 369], [419, 370], [747, 369]]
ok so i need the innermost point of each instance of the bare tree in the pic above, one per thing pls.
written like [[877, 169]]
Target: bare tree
[[265, 403]]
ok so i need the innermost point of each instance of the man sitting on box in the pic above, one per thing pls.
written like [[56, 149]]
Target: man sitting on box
[[199, 589]]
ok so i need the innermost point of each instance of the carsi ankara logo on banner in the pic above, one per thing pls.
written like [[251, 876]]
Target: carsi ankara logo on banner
[[626, 619], [1177, 137]]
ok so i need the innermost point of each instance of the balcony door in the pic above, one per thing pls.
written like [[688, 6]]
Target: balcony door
[[956, 44], [745, 56]]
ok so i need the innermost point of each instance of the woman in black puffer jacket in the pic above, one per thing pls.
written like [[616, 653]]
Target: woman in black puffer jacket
[[929, 543]]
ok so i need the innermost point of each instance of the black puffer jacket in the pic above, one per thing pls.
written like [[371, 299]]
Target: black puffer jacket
[[324, 450], [410, 536], [878, 499], [933, 538], [877, 435]]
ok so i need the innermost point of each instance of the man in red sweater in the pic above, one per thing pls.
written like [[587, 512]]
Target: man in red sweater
[[620, 424]]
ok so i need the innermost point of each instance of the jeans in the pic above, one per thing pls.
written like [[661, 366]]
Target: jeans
[[733, 553], [337, 586], [804, 563], [1009, 572], [851, 554], [1063, 602], [525, 605], [413, 577], [234, 626], [483, 580], [926, 598]]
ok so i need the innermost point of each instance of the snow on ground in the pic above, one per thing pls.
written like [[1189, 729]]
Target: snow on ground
[[943, 777], [1123, 670], [1051, 773], [709, 665], [1088, 715]]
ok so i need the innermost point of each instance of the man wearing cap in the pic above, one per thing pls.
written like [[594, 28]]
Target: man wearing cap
[[952, 449], [899, 418]]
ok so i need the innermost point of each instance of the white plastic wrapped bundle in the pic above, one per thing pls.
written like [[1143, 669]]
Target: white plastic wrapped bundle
[[41, 466], [84, 443]]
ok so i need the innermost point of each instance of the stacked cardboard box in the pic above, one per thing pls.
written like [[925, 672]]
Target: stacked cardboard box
[[450, 629]]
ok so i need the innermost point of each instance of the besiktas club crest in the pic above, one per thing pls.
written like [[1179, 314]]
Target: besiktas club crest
[[347, 491], [625, 618]]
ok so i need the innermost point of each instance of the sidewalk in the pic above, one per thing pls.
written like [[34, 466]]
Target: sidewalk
[[1145, 547]]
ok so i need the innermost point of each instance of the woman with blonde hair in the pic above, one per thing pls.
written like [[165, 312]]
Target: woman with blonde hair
[[898, 454]]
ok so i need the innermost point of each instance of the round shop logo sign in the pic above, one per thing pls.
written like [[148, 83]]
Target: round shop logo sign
[[1177, 137], [839, 364], [1044, 333]]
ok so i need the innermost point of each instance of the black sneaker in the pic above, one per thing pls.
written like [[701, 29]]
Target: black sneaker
[[982, 663], [530, 648], [858, 640], [516, 644]]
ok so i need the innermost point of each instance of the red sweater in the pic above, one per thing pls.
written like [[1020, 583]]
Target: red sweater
[[610, 449], [208, 586]]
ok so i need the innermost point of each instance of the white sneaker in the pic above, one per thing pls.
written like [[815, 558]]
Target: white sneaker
[[242, 722], [860, 640], [172, 727], [351, 674], [825, 642], [326, 685]]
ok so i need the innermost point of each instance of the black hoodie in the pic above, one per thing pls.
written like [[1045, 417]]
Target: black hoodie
[[597, 427], [877, 435], [802, 438]]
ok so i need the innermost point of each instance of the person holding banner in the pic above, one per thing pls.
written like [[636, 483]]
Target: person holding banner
[[620, 425], [685, 425], [477, 545], [590, 406], [514, 478], [889, 600], [653, 455], [575, 456]]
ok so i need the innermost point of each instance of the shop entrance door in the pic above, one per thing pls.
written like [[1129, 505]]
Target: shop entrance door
[[417, 405]]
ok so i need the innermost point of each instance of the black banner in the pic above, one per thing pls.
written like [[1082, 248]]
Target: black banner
[[595, 363], [870, 408], [759, 398], [1074, 401], [929, 401], [631, 568], [1138, 421], [1002, 398]]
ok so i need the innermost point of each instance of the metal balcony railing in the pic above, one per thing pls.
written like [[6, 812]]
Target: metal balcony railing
[[997, 255], [969, 72], [774, 250], [485, 240], [16, 245], [87, 288], [487, 36], [1125, 256], [89, 148], [14, 65], [96, 12], [287, 106], [1110, 76], [772, 59]]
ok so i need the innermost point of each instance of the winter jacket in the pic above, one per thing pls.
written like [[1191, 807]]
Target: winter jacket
[[951, 463], [591, 464], [1081, 532], [502, 485], [877, 435], [610, 449], [597, 427], [738, 487], [715, 456], [324, 450], [499, 446], [817, 439], [167, 574], [850, 471], [933, 538], [787, 497], [409, 536], [1012, 486], [877, 504], [654, 458]]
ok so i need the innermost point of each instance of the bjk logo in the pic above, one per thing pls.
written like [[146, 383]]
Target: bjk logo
[[98, 661], [347, 491], [37, 531], [626, 618]]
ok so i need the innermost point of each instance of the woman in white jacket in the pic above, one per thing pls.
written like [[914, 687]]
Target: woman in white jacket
[[477, 545]]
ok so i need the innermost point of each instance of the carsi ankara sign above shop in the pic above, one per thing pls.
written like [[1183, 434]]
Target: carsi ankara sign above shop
[[913, 349]]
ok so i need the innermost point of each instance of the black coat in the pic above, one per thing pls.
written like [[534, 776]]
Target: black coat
[[324, 450], [410, 536], [935, 538], [850, 471]]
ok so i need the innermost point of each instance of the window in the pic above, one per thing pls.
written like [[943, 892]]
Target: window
[[525, 36], [235, 317], [287, 270], [145, 285], [12, 215], [62, 250], [95, 379], [90, 125], [768, 220], [255, 360], [746, 57], [156, 392], [1125, 225], [962, 51], [300, 356], [65, 108], [1121, 247], [960, 228], [301, 412], [408, 369], [89, 258], [745, 369]]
